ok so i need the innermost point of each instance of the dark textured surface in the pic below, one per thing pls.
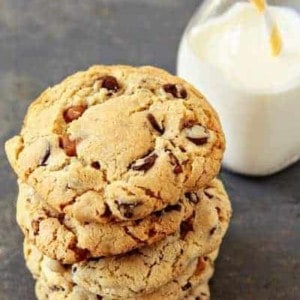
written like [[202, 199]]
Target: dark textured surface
[[42, 41]]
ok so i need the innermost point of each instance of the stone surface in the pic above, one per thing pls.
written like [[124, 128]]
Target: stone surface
[[42, 41]]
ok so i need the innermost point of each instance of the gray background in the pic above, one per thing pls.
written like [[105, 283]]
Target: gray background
[[41, 41]]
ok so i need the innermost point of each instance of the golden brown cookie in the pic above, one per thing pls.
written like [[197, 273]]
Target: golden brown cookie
[[69, 240], [146, 269], [54, 281], [117, 142]]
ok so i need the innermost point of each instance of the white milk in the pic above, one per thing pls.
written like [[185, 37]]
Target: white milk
[[257, 95]]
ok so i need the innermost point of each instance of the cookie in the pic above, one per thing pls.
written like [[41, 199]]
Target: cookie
[[146, 269], [54, 280], [45, 291], [117, 142], [68, 240]]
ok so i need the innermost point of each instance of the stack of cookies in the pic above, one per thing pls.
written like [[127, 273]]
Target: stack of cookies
[[118, 196]]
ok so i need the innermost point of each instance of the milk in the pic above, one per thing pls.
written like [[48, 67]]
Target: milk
[[256, 94]]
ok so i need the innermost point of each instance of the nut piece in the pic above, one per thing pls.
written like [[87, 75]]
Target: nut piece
[[176, 90], [144, 164], [110, 83], [68, 145], [197, 134], [73, 113]]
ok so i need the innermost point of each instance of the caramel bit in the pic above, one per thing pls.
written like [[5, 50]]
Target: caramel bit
[[81, 254], [73, 113], [176, 90], [144, 164], [110, 83], [68, 145], [197, 134], [155, 124], [201, 265]]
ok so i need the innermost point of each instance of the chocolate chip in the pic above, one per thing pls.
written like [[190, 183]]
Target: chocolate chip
[[158, 213], [176, 90], [73, 113], [186, 286], [96, 165], [221, 217], [110, 83], [186, 226], [154, 123], [197, 134], [35, 226], [127, 209], [45, 157], [74, 269], [68, 145], [192, 197], [213, 230], [176, 207], [208, 195], [62, 206], [174, 161], [55, 288], [107, 212], [144, 164], [61, 218], [152, 232], [149, 192], [133, 252]]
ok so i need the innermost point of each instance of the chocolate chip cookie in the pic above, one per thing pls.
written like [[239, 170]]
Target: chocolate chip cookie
[[144, 270], [117, 143], [54, 280], [69, 240]]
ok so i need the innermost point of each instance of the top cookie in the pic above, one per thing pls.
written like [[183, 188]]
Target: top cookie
[[121, 140]]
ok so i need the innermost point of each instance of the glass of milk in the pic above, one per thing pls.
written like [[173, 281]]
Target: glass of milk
[[226, 53]]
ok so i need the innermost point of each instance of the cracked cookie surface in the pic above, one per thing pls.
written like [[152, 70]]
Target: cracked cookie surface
[[68, 240], [54, 281], [117, 142]]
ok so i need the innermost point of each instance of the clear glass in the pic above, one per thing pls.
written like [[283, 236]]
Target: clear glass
[[261, 122]]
